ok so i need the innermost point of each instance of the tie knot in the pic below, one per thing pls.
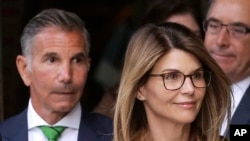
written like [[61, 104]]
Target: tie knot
[[52, 133]]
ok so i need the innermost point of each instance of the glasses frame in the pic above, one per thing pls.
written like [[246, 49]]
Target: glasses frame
[[162, 75], [205, 27]]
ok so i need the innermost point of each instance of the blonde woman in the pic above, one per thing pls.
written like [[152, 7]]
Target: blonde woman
[[171, 89]]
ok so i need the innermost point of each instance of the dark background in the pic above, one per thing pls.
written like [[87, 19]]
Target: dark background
[[102, 17]]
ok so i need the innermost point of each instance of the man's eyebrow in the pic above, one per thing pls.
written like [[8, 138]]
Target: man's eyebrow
[[80, 55], [48, 54], [213, 19], [238, 23]]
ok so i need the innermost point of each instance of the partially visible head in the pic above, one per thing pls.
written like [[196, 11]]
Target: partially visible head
[[227, 36], [146, 50], [55, 62], [173, 11], [67, 21]]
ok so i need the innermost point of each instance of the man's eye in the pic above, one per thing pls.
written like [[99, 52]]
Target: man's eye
[[76, 60], [238, 29], [51, 59], [213, 25]]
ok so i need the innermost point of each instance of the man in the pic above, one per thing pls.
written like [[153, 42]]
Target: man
[[227, 39], [54, 64]]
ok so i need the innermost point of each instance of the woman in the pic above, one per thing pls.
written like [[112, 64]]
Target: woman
[[171, 89], [164, 11]]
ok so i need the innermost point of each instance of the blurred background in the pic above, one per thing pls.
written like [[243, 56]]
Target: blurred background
[[110, 24]]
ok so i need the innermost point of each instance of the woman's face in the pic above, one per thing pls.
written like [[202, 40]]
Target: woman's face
[[179, 106]]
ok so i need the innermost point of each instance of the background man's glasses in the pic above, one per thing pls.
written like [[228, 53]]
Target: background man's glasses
[[236, 30], [175, 80]]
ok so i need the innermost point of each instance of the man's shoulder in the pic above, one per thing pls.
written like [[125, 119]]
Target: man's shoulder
[[15, 120], [13, 125]]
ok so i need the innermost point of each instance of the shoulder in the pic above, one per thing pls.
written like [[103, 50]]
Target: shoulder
[[13, 125], [16, 120]]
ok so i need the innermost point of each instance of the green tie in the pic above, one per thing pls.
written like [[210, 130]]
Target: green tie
[[52, 133]]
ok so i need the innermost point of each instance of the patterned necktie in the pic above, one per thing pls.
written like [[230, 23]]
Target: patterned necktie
[[52, 133]]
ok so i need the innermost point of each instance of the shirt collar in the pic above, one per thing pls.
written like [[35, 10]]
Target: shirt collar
[[241, 86], [71, 120]]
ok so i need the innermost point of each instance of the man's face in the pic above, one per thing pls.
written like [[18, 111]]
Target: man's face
[[59, 70], [232, 54]]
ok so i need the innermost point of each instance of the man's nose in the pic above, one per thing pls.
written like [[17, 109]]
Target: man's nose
[[65, 73], [223, 37]]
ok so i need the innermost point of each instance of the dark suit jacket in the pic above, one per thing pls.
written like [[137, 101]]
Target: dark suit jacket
[[242, 113], [93, 127]]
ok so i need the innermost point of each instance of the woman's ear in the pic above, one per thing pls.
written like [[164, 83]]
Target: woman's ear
[[22, 67], [140, 94]]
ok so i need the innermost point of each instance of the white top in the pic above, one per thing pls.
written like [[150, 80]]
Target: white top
[[238, 90], [71, 121]]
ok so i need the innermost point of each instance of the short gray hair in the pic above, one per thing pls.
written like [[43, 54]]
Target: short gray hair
[[52, 18]]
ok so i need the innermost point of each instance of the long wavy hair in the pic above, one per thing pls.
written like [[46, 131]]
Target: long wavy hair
[[147, 45]]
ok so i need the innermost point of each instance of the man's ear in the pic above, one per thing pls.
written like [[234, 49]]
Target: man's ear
[[140, 94], [22, 67]]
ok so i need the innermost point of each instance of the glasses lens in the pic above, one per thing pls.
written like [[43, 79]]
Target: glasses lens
[[201, 79], [237, 31], [212, 26], [173, 80]]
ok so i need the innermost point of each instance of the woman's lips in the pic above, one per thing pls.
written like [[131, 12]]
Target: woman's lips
[[187, 105]]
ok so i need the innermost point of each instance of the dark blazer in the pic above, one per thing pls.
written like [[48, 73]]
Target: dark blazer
[[242, 113], [93, 127]]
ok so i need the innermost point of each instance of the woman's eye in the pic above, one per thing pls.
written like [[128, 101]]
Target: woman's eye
[[171, 76], [197, 75]]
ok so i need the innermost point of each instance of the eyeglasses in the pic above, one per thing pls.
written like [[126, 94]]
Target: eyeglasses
[[175, 80], [237, 30]]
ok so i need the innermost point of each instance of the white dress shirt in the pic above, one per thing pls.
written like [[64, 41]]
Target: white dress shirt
[[238, 90], [71, 121]]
